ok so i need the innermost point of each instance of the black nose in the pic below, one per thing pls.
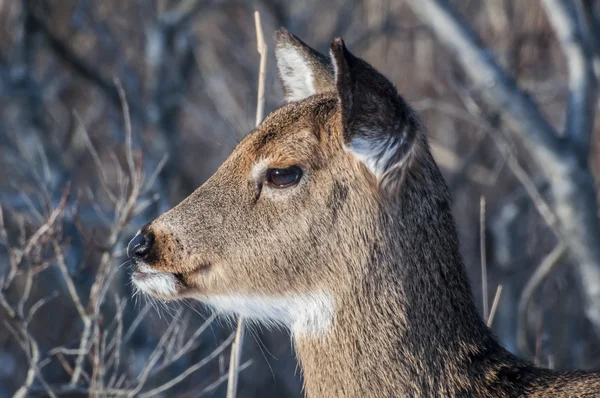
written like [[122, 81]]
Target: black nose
[[140, 246]]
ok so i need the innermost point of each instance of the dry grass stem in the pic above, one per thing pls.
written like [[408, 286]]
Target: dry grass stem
[[490, 319], [236, 348], [483, 254]]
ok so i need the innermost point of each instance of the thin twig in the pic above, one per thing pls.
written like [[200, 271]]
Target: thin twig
[[44, 228], [72, 289], [84, 347], [261, 46], [498, 135], [547, 265], [125, 208], [136, 322], [234, 360], [189, 370], [484, 281], [128, 132], [236, 347], [191, 344], [212, 386], [31, 349], [95, 157], [11, 253], [495, 303]]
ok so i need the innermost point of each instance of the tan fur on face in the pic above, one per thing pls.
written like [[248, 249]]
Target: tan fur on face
[[230, 233]]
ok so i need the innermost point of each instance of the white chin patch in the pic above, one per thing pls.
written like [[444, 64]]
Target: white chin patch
[[155, 283], [307, 315]]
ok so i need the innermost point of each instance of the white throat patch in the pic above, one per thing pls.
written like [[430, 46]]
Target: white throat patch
[[304, 314]]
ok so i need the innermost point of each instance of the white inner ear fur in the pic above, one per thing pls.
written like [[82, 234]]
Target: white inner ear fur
[[307, 314], [334, 64], [373, 153], [296, 74]]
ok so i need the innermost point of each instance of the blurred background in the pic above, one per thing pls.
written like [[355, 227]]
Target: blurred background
[[111, 112]]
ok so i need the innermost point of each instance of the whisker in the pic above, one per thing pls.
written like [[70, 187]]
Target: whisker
[[261, 345]]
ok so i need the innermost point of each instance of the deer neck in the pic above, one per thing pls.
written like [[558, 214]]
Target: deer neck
[[409, 327]]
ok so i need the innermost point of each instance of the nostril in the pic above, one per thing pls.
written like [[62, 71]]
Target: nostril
[[140, 246]]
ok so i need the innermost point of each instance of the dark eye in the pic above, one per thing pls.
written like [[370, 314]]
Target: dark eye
[[283, 178]]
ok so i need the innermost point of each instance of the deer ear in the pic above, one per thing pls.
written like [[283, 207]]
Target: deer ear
[[303, 71], [379, 127]]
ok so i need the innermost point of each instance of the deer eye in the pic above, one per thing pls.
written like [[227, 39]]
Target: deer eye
[[283, 178]]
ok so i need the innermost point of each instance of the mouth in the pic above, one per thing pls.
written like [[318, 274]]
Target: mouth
[[138, 276], [156, 283]]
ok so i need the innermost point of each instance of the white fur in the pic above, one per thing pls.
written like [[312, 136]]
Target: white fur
[[296, 73], [308, 314], [373, 153], [335, 67], [155, 282], [259, 169]]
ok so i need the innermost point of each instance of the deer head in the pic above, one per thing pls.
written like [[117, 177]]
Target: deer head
[[291, 221], [332, 219]]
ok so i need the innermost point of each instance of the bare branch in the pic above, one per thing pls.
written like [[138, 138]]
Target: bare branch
[[591, 32], [14, 264], [31, 349], [128, 133], [36, 307], [46, 227], [212, 386], [79, 65], [7, 307], [582, 83], [136, 322], [84, 347], [544, 269], [452, 161], [192, 342], [95, 157], [571, 182], [189, 370], [495, 85], [478, 118], [62, 266]]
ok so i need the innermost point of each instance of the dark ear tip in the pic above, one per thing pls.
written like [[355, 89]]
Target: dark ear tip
[[338, 42], [283, 36], [337, 47], [281, 32]]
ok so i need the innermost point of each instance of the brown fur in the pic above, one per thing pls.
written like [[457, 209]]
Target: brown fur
[[384, 247]]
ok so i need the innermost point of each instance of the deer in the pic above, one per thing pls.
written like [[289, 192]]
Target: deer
[[331, 219]]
